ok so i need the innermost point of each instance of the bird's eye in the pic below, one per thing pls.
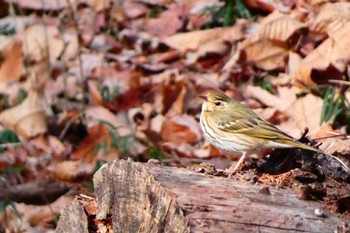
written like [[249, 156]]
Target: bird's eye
[[217, 103]]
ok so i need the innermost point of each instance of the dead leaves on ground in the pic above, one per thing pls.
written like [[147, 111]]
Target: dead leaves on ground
[[122, 80]]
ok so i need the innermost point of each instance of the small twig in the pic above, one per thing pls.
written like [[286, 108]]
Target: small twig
[[11, 144], [68, 125], [339, 82]]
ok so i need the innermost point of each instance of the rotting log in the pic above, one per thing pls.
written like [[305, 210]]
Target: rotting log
[[153, 198]]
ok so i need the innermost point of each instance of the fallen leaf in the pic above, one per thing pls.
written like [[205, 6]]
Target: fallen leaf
[[97, 115], [56, 145], [98, 5], [72, 171], [181, 128], [186, 150], [134, 10], [46, 5], [329, 17], [27, 119], [168, 22], [12, 66], [269, 45], [191, 41], [329, 59], [40, 42]]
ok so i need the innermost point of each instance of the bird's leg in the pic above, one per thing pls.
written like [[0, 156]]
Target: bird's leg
[[233, 169]]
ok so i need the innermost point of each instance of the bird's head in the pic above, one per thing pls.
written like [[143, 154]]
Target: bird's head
[[216, 101]]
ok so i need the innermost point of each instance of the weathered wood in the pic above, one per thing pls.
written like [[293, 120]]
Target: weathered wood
[[73, 219], [154, 198]]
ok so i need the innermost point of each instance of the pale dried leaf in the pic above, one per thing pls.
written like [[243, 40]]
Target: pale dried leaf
[[134, 10], [330, 17], [265, 54], [211, 47], [190, 41], [98, 5], [304, 112], [56, 145], [98, 114], [332, 53], [182, 128], [27, 119], [278, 26], [168, 22], [186, 149], [72, 171], [45, 5], [12, 67], [41, 41]]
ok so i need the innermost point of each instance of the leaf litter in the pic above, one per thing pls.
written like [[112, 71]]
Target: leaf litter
[[90, 83]]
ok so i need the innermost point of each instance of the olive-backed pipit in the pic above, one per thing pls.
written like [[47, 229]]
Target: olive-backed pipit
[[231, 126]]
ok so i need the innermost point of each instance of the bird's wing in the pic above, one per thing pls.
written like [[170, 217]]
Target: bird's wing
[[254, 127]]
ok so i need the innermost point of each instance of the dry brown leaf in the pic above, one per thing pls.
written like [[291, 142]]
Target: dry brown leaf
[[98, 5], [134, 10], [12, 66], [40, 41], [182, 128], [268, 47], [168, 22], [329, 59], [97, 115], [278, 27], [270, 5], [186, 150], [332, 145], [87, 25], [46, 5], [89, 149], [330, 17], [27, 119], [56, 145], [265, 54], [191, 41], [178, 105], [304, 112], [216, 47], [73, 171]]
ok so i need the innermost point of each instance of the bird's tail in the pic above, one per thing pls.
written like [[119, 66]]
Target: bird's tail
[[306, 147]]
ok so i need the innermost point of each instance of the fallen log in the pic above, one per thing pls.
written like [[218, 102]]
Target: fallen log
[[141, 197]]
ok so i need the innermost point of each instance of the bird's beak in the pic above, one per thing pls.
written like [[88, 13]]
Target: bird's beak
[[204, 97]]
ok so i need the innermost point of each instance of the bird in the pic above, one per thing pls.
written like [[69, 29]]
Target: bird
[[233, 127]]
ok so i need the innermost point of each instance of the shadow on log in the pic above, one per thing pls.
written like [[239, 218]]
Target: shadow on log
[[153, 198]]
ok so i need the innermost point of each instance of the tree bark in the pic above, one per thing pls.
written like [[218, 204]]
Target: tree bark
[[153, 198]]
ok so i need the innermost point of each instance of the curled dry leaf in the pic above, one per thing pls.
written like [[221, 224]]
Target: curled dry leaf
[[96, 115], [73, 171], [330, 59], [46, 5], [304, 112], [96, 145], [98, 5], [39, 42], [330, 17], [268, 47], [212, 47], [134, 10], [191, 41], [181, 128], [168, 22], [27, 119], [11, 67], [186, 150]]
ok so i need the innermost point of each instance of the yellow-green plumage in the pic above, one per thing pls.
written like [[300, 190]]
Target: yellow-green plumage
[[231, 126]]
